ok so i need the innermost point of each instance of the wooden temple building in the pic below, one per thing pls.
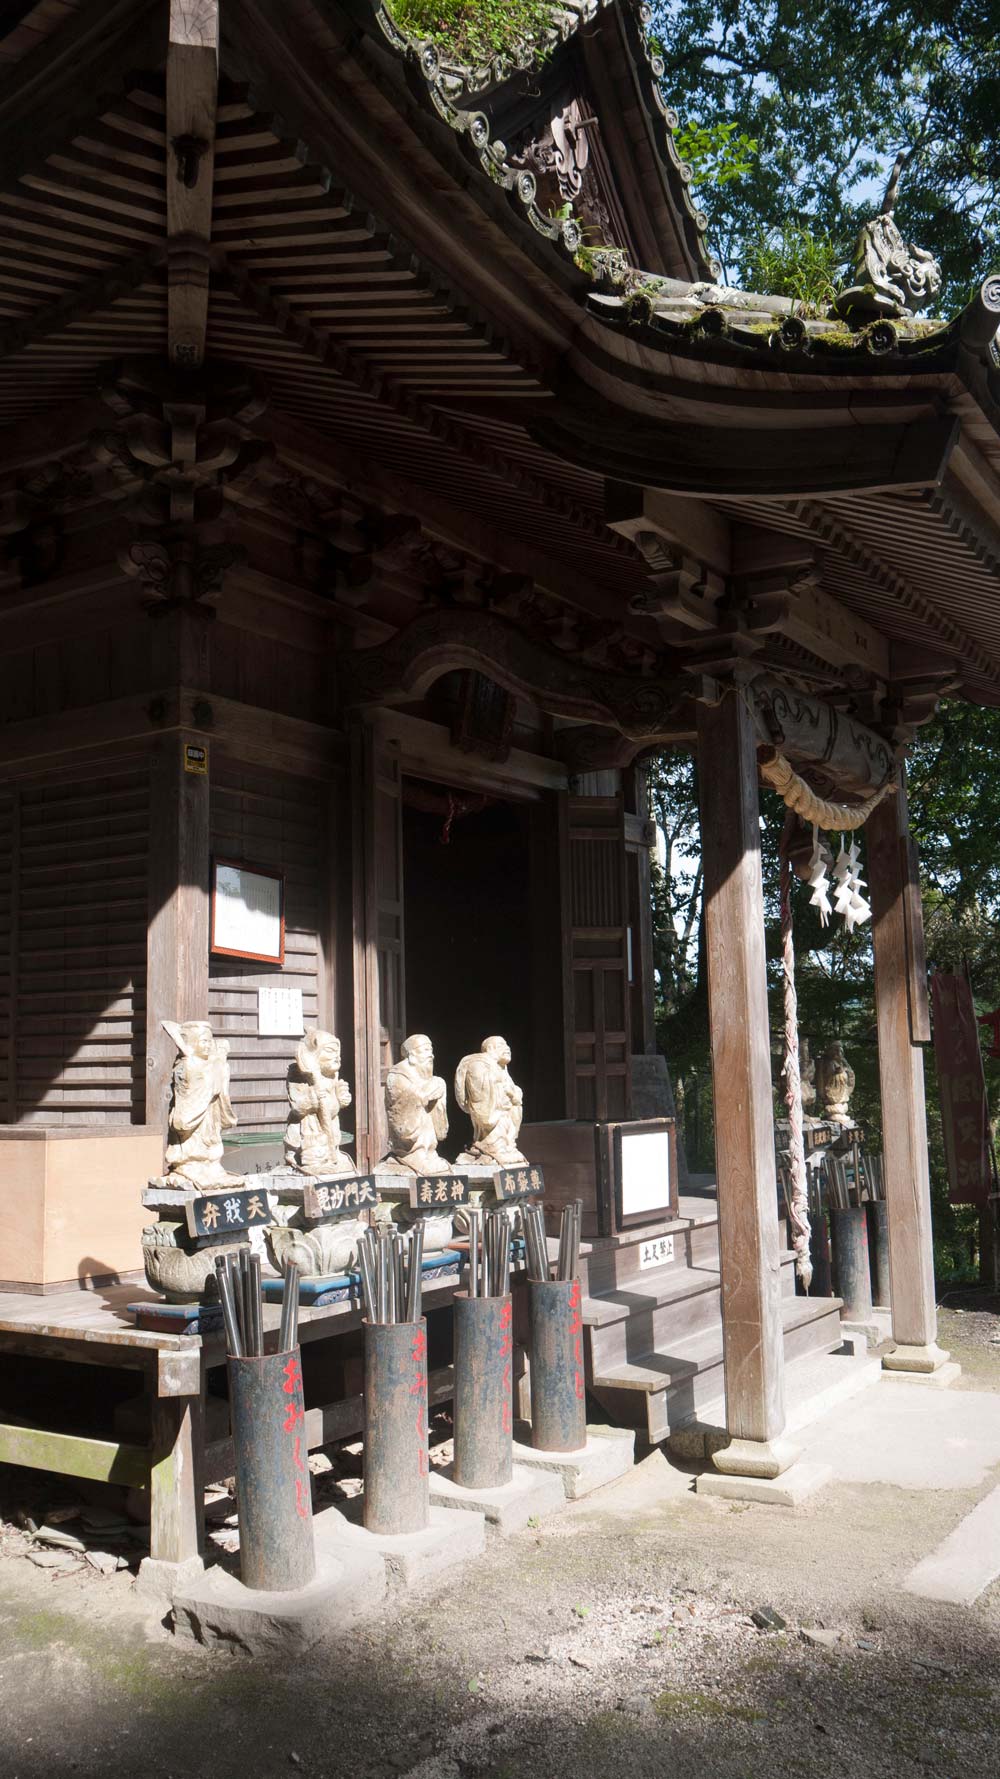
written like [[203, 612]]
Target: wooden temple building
[[384, 476]]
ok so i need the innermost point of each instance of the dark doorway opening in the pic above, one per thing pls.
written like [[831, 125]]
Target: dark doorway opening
[[476, 918]]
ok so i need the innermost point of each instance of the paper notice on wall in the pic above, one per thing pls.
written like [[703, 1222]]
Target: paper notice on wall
[[279, 1012]]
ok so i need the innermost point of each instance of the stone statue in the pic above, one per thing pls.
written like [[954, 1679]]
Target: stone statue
[[495, 1104], [200, 1109], [835, 1084], [317, 1096], [416, 1111]]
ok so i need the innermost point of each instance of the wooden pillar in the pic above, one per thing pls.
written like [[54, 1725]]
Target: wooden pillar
[[741, 1069], [178, 938], [901, 1074], [177, 1505]]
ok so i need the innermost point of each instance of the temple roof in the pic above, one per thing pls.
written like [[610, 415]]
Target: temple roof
[[422, 328]]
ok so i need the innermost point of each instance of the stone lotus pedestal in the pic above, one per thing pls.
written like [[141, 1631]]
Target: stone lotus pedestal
[[179, 1266]]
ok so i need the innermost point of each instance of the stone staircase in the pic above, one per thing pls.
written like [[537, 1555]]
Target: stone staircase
[[653, 1338]]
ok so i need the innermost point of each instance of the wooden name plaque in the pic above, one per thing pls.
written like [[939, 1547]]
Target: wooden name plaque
[[513, 1183], [438, 1192], [325, 1200], [227, 1212]]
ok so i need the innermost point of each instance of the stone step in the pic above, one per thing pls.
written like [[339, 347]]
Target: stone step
[[666, 1389]]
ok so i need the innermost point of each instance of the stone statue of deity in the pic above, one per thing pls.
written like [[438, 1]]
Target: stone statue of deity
[[316, 1096], [835, 1084], [416, 1109], [495, 1104], [200, 1108]]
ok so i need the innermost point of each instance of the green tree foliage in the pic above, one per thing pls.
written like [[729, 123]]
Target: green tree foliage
[[829, 91]]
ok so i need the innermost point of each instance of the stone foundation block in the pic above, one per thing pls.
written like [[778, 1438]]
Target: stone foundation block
[[608, 1454], [789, 1489], [530, 1494], [217, 1608], [941, 1379], [157, 1581], [412, 1559]]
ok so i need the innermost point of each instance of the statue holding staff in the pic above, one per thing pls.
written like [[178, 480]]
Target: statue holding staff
[[200, 1108]]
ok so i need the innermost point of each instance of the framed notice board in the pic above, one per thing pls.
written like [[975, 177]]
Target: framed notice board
[[636, 1174], [248, 911]]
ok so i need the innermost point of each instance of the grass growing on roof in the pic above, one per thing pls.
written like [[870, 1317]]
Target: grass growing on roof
[[473, 32]]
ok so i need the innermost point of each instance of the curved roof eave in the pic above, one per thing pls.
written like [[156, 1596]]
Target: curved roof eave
[[451, 90]]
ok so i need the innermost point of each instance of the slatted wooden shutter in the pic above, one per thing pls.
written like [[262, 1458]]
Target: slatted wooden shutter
[[379, 982], [268, 818], [595, 957], [75, 891]]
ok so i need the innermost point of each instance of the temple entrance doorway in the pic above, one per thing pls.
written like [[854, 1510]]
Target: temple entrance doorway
[[482, 935]]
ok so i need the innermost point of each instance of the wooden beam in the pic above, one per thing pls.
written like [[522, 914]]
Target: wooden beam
[[177, 1511], [99, 1460], [192, 98], [791, 603], [178, 931], [689, 525], [904, 1118], [741, 1069]]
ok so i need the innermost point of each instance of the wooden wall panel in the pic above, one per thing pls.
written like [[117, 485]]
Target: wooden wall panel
[[269, 818], [76, 897]]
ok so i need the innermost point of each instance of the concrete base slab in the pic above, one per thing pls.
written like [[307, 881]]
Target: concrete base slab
[[941, 1379], [413, 1559], [789, 1489], [608, 1454], [966, 1562], [158, 1581], [529, 1495], [219, 1609]]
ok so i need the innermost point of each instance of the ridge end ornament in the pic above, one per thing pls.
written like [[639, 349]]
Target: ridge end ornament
[[891, 279]]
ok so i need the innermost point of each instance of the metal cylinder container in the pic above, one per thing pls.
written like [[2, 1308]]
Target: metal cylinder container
[[397, 1462], [484, 1377], [558, 1383], [819, 1255], [878, 1247], [272, 1472], [852, 1278]]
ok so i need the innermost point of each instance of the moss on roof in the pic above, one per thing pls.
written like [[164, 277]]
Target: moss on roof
[[474, 32]]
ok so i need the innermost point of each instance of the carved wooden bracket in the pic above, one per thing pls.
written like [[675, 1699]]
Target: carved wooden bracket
[[445, 640], [842, 751]]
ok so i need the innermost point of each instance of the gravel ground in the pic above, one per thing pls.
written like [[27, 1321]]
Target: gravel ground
[[613, 1642]]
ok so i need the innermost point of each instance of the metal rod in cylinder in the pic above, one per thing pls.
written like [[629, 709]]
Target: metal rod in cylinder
[[398, 1287], [574, 1240], [291, 1286], [415, 1273], [474, 1253], [257, 1304], [366, 1269], [233, 1341], [381, 1277]]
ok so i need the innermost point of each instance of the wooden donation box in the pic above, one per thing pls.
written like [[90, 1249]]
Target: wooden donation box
[[625, 1172]]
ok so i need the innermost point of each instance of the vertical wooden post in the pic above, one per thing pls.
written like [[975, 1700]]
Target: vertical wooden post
[[901, 1074], [177, 1505], [178, 937], [741, 1069]]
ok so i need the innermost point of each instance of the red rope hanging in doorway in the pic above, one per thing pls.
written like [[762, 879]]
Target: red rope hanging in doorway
[[798, 1197]]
